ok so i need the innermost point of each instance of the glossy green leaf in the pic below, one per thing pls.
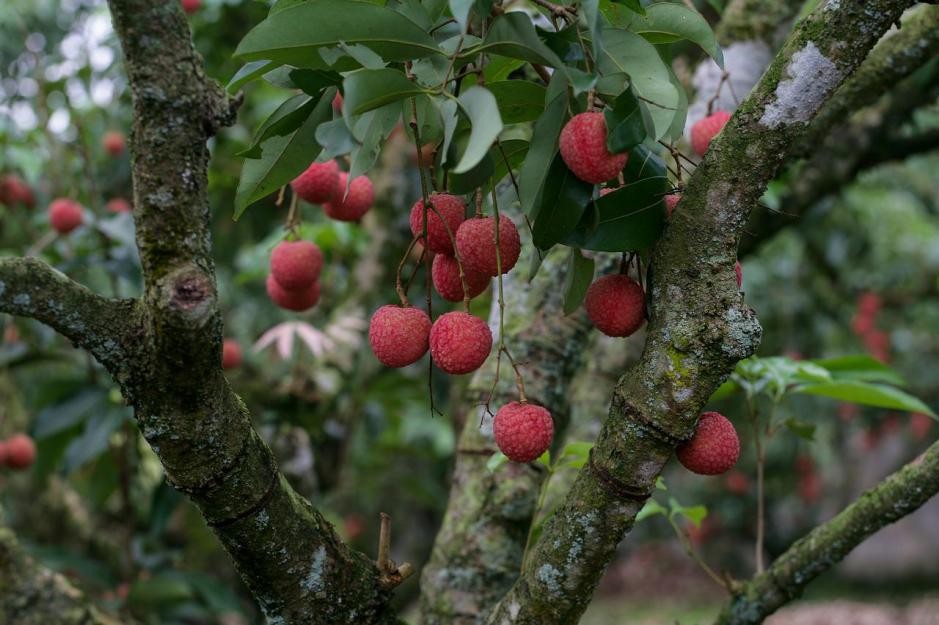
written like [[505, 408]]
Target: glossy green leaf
[[285, 119], [861, 367], [460, 9], [377, 125], [630, 5], [518, 100], [499, 68], [625, 127], [651, 508], [248, 72], [94, 440], [481, 108], [559, 206], [544, 144], [293, 35], [666, 22], [369, 89], [335, 139], [508, 155], [310, 81], [867, 394], [579, 277], [513, 35], [677, 128]]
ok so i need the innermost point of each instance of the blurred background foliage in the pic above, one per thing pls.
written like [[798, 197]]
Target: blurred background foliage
[[858, 273]]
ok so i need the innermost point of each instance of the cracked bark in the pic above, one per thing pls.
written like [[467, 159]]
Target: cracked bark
[[898, 495], [699, 325]]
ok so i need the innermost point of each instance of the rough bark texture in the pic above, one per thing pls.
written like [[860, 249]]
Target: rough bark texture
[[33, 595], [895, 497], [700, 326]]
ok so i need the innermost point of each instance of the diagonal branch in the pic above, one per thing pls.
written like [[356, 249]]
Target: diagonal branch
[[819, 550], [699, 326]]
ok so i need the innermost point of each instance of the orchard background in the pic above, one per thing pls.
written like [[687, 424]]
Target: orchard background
[[198, 424]]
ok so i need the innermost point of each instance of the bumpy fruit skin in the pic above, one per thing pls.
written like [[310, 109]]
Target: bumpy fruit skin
[[459, 342], [318, 183], [583, 148], [113, 142], [118, 205], [446, 275], [296, 264], [399, 335], [453, 210], [706, 129], [65, 215], [353, 206], [616, 305], [523, 431], [20, 452], [713, 449], [191, 6], [476, 244], [738, 270], [232, 356], [671, 201], [298, 300]]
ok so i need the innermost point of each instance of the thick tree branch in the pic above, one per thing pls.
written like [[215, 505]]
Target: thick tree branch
[[699, 326], [895, 497], [33, 595]]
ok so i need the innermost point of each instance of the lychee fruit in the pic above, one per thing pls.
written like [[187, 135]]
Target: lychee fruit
[[65, 215], [296, 264], [232, 356], [737, 483], [118, 205], [113, 142], [446, 276], [583, 148], [523, 431], [738, 271], [20, 452], [14, 190], [297, 300], [713, 449], [318, 183], [451, 208], [476, 245], [706, 129], [399, 335], [671, 201], [616, 304], [191, 6], [459, 342], [351, 206]]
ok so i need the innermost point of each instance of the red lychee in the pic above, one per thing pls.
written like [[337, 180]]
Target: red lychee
[[453, 210], [616, 305], [671, 201], [523, 431], [399, 335], [738, 271], [737, 483], [191, 6], [297, 300], [113, 142], [20, 452], [583, 148], [118, 205], [232, 357], [476, 244], [446, 276], [706, 129], [65, 215], [14, 190], [296, 264], [318, 183], [713, 449], [337, 102], [459, 342], [351, 206]]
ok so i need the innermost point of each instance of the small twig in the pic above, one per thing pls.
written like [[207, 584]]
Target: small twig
[[390, 574], [399, 287], [568, 14]]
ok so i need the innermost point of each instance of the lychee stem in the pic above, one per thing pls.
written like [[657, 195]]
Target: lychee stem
[[399, 287], [293, 214], [519, 382], [280, 196], [694, 555]]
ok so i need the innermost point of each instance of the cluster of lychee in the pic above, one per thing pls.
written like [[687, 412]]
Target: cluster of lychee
[[17, 452], [324, 184]]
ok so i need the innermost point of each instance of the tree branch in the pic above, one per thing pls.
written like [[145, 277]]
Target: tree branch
[[895, 497], [699, 326]]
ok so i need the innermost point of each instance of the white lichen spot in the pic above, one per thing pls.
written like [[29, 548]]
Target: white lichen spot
[[21, 299], [550, 577], [263, 519], [314, 581], [810, 77], [682, 394], [514, 609]]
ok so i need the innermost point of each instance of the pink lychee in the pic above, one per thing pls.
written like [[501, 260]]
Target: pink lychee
[[297, 300], [296, 264], [65, 215], [523, 431], [616, 304], [583, 148], [459, 342], [317, 184], [706, 129], [399, 335], [351, 206], [476, 244], [713, 449], [451, 208], [446, 276]]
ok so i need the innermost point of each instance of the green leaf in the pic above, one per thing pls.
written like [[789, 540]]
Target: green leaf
[[293, 36], [544, 144], [861, 367], [591, 12], [627, 58], [248, 72], [335, 138], [725, 390], [282, 158], [369, 89], [677, 129], [866, 393], [499, 67], [481, 108], [310, 81], [695, 514], [508, 156], [651, 508], [62, 416], [579, 277], [625, 128], [665, 22], [518, 100], [559, 206], [660, 483], [495, 461], [513, 35], [285, 119], [632, 5], [377, 125], [802, 429], [460, 9], [93, 441]]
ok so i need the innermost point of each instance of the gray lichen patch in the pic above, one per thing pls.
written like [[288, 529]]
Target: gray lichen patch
[[811, 76]]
